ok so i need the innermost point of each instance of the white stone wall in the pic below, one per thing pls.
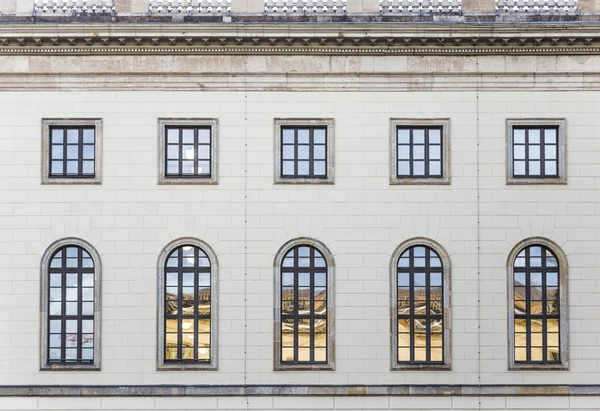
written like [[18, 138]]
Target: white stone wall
[[298, 403], [129, 219]]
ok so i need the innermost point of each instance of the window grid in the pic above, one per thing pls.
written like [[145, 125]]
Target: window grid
[[187, 306], [304, 152], [535, 152], [420, 313], [188, 152], [72, 152], [537, 306], [419, 152], [304, 307], [71, 307]]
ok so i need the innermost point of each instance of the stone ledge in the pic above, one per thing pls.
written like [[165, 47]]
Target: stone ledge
[[296, 390]]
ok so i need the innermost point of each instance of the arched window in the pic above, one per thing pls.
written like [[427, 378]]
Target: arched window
[[421, 288], [304, 321], [71, 298], [187, 320], [537, 269]]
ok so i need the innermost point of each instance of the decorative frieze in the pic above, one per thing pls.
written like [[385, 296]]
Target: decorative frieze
[[189, 7]]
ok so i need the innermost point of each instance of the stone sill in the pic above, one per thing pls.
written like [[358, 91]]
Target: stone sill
[[175, 390]]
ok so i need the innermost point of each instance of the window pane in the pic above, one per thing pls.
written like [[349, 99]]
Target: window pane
[[319, 152], [435, 136], [534, 136], [319, 136], [418, 136], [519, 168], [534, 152], [288, 136], [57, 167], [550, 136], [57, 136], [519, 152], [88, 136], [187, 136], [303, 168], [288, 168], [72, 136], [435, 168], [303, 152], [435, 152], [519, 136], [288, 153], [534, 167], [419, 168], [173, 136], [88, 167], [172, 151], [203, 136], [320, 168], [550, 167], [72, 152], [303, 136], [550, 152]]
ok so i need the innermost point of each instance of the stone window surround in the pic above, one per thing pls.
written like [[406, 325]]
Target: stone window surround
[[423, 122], [277, 364], [161, 365], [447, 350], [213, 123], [330, 141], [564, 308], [75, 122], [561, 123], [45, 264]]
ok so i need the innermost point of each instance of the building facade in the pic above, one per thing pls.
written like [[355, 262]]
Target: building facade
[[277, 206]]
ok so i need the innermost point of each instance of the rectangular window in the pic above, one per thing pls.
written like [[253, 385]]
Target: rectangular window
[[420, 151], [188, 151], [304, 151], [71, 151], [536, 151]]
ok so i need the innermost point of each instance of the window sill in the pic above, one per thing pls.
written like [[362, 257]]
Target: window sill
[[538, 367], [188, 180], [46, 180], [280, 180], [422, 367], [304, 367], [187, 367], [70, 367], [531, 181], [428, 181]]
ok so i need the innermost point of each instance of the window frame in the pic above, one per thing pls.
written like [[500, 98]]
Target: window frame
[[444, 124], [563, 308], [47, 125], [45, 365], [446, 364], [211, 365], [329, 125], [163, 124], [559, 123], [278, 365]]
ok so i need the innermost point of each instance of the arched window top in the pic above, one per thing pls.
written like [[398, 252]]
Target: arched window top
[[302, 246], [182, 250], [424, 251], [70, 276], [537, 247], [188, 256], [71, 256], [422, 256]]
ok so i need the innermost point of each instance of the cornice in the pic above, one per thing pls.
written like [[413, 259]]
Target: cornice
[[332, 39]]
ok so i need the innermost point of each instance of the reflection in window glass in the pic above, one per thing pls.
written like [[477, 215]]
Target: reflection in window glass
[[420, 313], [537, 306], [535, 152], [71, 307], [304, 306], [188, 152], [187, 306]]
